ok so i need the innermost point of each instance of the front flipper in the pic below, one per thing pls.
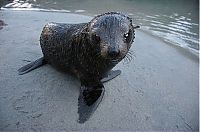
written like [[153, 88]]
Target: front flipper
[[31, 66], [88, 101], [111, 75]]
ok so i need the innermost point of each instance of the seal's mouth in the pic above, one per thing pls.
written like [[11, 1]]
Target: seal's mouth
[[115, 61], [115, 58]]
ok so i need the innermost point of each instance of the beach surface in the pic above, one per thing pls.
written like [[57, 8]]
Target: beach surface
[[158, 90]]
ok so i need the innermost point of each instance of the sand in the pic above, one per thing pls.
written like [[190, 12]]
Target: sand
[[157, 90]]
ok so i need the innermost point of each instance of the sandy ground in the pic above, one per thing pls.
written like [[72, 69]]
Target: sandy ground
[[157, 90]]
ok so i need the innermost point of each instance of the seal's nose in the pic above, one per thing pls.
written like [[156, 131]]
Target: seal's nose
[[113, 53]]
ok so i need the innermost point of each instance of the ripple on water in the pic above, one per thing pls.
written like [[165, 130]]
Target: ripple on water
[[175, 29]]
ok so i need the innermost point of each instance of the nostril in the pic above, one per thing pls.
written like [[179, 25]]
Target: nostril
[[113, 53]]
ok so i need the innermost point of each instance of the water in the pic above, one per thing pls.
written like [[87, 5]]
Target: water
[[174, 21]]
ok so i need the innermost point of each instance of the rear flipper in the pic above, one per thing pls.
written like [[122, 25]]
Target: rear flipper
[[111, 75], [31, 66], [88, 101]]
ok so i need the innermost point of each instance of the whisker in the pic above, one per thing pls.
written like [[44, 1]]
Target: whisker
[[130, 52], [124, 60], [129, 57]]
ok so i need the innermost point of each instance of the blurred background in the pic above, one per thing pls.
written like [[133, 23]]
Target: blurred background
[[174, 21]]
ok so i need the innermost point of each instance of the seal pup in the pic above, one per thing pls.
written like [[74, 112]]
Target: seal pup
[[89, 51]]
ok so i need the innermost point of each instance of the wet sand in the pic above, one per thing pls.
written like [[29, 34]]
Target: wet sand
[[157, 90]]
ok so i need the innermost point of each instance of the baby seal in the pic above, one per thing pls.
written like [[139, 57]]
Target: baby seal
[[89, 51]]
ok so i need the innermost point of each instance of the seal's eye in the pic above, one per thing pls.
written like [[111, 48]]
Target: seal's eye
[[128, 36], [95, 38]]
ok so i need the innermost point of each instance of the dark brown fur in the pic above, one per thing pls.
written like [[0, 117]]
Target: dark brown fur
[[74, 47]]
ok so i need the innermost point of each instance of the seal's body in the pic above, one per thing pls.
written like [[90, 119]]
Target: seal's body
[[88, 50], [68, 47]]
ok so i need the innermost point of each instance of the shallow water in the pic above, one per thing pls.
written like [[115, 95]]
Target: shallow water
[[175, 21]]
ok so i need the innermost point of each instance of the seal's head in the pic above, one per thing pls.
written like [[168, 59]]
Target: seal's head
[[113, 33]]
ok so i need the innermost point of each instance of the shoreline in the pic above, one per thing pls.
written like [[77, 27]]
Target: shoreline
[[157, 90]]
